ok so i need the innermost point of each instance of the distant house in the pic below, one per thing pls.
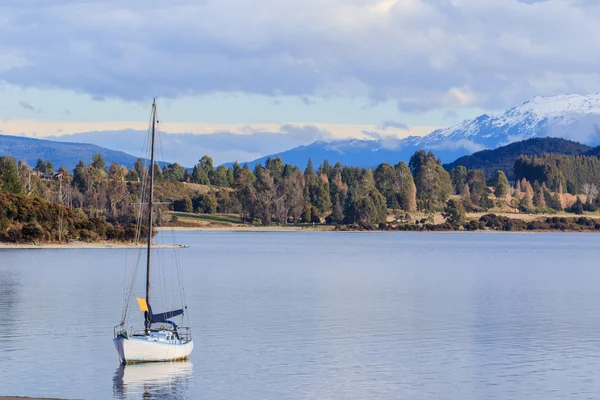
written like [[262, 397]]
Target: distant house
[[55, 176]]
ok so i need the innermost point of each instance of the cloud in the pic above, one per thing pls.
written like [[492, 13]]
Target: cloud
[[422, 54], [305, 132], [27, 106], [450, 114], [187, 148], [393, 124], [466, 144], [372, 134]]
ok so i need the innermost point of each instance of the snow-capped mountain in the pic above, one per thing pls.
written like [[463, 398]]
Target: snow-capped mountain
[[574, 117]]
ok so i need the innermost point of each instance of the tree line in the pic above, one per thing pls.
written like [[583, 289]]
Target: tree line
[[283, 193]]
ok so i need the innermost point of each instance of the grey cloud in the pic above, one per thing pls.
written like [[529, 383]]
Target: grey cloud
[[585, 129], [308, 101], [394, 124], [413, 54], [305, 132], [450, 114], [372, 134], [26, 105], [469, 145], [187, 148]]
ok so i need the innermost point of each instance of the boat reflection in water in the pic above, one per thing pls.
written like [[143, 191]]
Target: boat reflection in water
[[161, 380]]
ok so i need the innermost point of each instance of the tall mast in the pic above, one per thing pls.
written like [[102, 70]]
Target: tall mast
[[149, 252]]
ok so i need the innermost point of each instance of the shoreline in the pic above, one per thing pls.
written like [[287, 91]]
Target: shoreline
[[329, 228], [282, 229], [27, 398], [86, 245]]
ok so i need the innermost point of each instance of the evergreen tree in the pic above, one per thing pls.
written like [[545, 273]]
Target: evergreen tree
[[454, 212], [538, 195], [323, 195], [388, 183], [459, 178], [139, 168], [577, 208], [501, 185], [309, 171], [432, 182], [40, 166], [230, 177], [408, 190], [246, 194], [485, 202], [204, 171], [275, 167], [477, 185], [236, 171], [528, 196], [9, 175], [188, 207], [306, 214], [557, 202], [325, 169], [220, 177], [81, 178], [98, 162], [516, 196]]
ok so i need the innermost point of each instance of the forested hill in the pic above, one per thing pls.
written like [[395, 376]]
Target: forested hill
[[58, 153], [503, 158]]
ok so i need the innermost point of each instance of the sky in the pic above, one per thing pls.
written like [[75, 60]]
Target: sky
[[331, 69]]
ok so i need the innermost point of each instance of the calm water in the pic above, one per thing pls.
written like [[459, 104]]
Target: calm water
[[320, 316]]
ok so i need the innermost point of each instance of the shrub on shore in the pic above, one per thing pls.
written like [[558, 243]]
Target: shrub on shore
[[25, 219]]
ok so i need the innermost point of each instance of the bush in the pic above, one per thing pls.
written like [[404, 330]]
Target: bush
[[4, 224], [15, 234], [87, 235], [314, 215], [32, 231], [474, 226]]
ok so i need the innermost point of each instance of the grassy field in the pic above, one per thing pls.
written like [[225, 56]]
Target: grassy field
[[208, 219], [233, 221]]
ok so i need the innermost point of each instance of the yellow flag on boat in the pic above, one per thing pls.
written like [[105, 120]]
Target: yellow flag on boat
[[142, 303]]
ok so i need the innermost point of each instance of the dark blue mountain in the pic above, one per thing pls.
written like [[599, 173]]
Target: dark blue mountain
[[503, 158], [59, 153]]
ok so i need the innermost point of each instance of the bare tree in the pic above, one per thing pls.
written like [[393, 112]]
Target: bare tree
[[590, 191]]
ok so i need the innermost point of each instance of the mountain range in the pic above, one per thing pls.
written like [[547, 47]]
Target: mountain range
[[60, 154], [573, 117]]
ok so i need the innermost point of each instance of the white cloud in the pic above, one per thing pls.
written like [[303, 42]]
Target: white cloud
[[423, 54], [469, 145]]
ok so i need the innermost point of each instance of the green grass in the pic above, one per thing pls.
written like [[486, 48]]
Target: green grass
[[219, 218]]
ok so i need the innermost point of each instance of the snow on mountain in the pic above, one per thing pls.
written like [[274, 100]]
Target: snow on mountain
[[574, 117]]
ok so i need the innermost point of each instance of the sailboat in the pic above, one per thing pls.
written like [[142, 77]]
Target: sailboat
[[167, 341]]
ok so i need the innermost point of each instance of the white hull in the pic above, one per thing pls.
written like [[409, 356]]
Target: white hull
[[140, 349]]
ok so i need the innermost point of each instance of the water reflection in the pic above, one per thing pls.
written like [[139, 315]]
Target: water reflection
[[164, 380], [9, 287]]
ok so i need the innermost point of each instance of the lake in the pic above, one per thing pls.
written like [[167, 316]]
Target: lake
[[318, 315]]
